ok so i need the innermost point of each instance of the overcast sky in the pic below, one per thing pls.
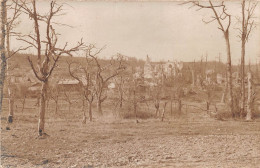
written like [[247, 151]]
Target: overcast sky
[[163, 30]]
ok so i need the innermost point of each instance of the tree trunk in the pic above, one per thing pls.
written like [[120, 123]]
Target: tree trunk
[[164, 107], [90, 111], [11, 90], [42, 108], [99, 108], [3, 51], [229, 73], [84, 112], [121, 101], [11, 110], [11, 93], [243, 50], [250, 100]]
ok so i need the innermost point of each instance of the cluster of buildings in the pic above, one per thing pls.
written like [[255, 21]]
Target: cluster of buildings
[[150, 74], [158, 70]]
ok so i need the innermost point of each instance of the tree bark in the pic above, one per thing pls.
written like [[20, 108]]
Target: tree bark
[[42, 108], [229, 73], [3, 51]]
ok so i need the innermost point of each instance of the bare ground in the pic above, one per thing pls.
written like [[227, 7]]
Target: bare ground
[[193, 140]]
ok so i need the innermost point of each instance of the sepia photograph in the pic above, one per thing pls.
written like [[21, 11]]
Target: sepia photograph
[[130, 84]]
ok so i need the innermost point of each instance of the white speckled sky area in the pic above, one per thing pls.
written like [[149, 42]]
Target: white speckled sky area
[[163, 30]]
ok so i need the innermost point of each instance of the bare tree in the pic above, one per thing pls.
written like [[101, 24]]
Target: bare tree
[[134, 100], [221, 16], [11, 22], [156, 97], [247, 24], [86, 85], [104, 74], [209, 89], [179, 95], [121, 82], [3, 51], [46, 62], [164, 109]]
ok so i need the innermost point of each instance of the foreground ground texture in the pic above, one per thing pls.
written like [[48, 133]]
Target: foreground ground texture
[[193, 140]]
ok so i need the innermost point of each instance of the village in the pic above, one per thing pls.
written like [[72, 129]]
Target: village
[[191, 78], [151, 73]]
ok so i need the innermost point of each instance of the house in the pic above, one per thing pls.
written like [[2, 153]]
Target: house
[[68, 84], [220, 79], [157, 70]]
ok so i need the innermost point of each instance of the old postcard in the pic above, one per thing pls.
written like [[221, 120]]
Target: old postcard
[[130, 83]]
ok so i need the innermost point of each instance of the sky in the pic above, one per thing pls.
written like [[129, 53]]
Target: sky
[[162, 30]]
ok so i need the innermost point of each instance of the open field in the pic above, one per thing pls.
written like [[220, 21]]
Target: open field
[[191, 140]]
